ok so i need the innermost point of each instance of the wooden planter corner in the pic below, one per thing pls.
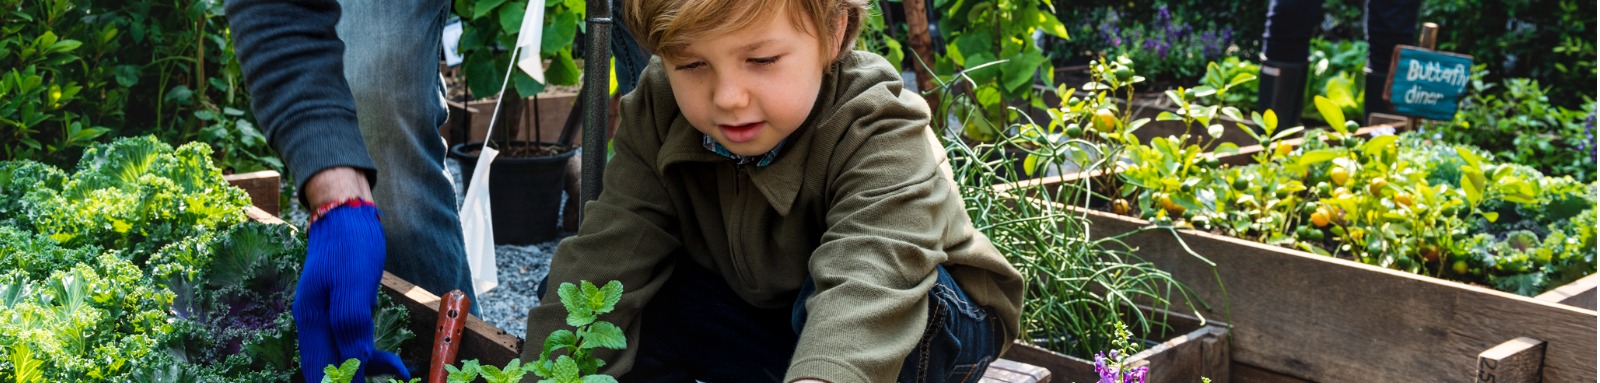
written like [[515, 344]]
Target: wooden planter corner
[[1201, 350], [263, 188]]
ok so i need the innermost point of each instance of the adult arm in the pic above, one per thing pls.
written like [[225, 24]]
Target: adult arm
[[293, 62]]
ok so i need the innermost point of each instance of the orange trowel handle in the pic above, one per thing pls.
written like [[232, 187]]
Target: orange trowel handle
[[447, 340]]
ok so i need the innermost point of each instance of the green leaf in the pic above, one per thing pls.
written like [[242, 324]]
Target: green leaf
[[1378, 144], [560, 33], [126, 75], [1331, 113], [1269, 121], [342, 374], [525, 85], [481, 74], [483, 7], [612, 293], [560, 339], [466, 374], [1020, 69], [579, 313], [1473, 186], [1491, 216], [566, 369], [1029, 163], [511, 16], [1215, 130], [1227, 148], [1472, 159], [1318, 156], [599, 379], [605, 334], [562, 70]]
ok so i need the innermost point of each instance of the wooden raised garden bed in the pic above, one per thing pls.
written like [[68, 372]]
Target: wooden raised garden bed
[[1298, 316], [1320, 318]]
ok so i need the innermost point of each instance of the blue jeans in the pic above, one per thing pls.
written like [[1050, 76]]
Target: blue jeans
[[697, 328], [391, 61]]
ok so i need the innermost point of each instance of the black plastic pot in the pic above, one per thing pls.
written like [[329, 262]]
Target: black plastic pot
[[525, 194]]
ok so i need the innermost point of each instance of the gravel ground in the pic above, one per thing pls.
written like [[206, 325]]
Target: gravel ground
[[520, 270]]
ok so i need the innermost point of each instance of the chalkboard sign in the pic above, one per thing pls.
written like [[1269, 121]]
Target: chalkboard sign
[[1426, 83]]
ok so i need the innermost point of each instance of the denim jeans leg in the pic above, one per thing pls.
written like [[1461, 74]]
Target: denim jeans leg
[[391, 61], [1289, 27], [960, 341], [1389, 23], [698, 328], [630, 57]]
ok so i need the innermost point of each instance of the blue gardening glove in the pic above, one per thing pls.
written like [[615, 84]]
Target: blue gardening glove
[[337, 292]]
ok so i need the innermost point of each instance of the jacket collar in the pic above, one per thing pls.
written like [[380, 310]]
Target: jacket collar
[[779, 181]]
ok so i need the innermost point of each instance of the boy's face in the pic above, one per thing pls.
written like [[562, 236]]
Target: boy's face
[[751, 88]]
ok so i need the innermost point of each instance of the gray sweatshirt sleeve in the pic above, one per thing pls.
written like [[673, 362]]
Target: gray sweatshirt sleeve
[[293, 61]]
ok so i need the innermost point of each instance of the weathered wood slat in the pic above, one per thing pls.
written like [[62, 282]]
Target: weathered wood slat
[[1324, 319], [1009, 371]]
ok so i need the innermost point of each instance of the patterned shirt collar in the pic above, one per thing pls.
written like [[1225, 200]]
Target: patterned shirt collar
[[761, 160]]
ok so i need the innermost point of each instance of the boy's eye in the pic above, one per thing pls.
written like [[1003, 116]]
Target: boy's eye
[[690, 66], [765, 60]]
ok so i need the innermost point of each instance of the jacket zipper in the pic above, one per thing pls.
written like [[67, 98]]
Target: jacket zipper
[[737, 228]]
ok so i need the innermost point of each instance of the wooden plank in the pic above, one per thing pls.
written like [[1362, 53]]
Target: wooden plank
[[1515, 361], [1324, 319], [482, 341], [1580, 293], [263, 188], [1010, 371]]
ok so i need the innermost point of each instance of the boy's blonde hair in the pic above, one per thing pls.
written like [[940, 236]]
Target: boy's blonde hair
[[666, 27]]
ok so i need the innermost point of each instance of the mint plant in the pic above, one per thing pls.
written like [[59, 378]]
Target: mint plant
[[584, 303]]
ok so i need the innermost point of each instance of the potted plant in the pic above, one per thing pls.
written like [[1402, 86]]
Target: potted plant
[[529, 176]]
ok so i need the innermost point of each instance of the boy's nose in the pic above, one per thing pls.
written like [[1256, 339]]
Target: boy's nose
[[730, 95]]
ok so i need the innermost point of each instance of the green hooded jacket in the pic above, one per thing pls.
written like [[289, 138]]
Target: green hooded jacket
[[861, 198]]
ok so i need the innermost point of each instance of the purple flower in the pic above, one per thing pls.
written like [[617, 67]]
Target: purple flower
[[1163, 16], [1137, 375], [1107, 375]]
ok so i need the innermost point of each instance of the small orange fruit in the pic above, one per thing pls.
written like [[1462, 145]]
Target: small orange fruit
[[1105, 121], [1320, 218], [1403, 198], [1339, 175]]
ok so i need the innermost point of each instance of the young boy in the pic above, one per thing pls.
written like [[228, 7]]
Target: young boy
[[778, 208]]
